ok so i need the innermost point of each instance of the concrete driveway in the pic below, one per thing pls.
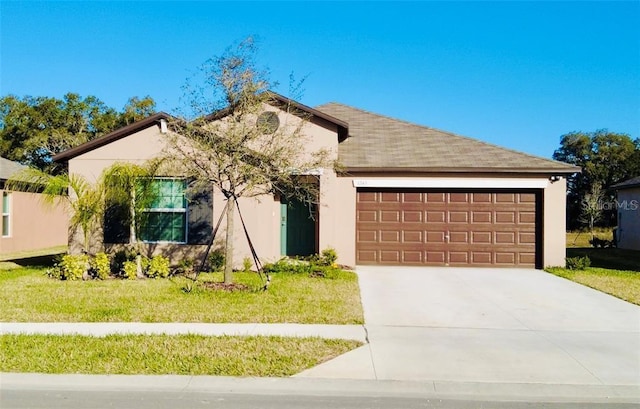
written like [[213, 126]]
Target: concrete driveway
[[490, 325]]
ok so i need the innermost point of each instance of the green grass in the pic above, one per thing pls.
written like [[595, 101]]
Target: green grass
[[163, 354], [612, 258], [581, 238], [619, 283], [29, 296]]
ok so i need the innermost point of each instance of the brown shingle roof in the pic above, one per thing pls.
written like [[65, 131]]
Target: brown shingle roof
[[8, 168], [380, 143], [627, 184]]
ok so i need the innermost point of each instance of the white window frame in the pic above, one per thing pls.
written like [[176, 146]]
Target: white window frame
[[6, 214], [170, 210]]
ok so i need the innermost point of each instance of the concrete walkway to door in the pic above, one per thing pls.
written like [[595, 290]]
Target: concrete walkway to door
[[514, 326]]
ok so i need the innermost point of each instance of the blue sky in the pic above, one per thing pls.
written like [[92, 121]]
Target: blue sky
[[516, 74]]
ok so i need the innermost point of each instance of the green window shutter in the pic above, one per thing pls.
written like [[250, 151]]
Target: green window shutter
[[117, 223], [200, 216]]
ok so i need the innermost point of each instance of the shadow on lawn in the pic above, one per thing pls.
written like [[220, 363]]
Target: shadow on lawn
[[37, 261], [619, 259]]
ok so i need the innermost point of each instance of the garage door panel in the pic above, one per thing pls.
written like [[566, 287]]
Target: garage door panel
[[412, 216], [527, 218], [458, 237], [436, 216], [367, 216], [459, 217], [447, 228], [367, 236], [481, 217], [390, 216], [435, 198], [390, 236], [390, 256], [414, 256], [412, 236]]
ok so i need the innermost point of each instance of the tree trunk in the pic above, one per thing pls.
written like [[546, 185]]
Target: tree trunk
[[228, 257]]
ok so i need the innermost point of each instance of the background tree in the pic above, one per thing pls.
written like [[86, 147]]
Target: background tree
[[33, 129], [236, 141], [592, 207], [606, 158]]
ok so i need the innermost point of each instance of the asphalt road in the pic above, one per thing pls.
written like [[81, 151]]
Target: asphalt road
[[36, 399]]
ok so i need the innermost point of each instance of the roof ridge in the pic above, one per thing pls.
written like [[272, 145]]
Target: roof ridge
[[413, 124]]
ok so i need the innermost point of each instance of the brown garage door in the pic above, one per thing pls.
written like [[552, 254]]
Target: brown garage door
[[453, 228]]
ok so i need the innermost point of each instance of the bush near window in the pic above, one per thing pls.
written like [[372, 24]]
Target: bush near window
[[130, 269], [158, 267], [70, 267], [101, 266]]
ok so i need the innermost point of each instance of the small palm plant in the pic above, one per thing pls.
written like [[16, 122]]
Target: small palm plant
[[85, 200]]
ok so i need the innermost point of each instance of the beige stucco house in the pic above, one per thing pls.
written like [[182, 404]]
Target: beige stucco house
[[27, 223], [628, 204], [405, 195]]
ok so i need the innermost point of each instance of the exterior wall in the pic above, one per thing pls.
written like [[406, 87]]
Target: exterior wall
[[261, 214], [337, 217], [554, 242], [336, 222], [629, 218], [34, 225]]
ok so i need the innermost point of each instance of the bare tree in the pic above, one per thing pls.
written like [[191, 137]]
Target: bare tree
[[592, 208], [243, 142]]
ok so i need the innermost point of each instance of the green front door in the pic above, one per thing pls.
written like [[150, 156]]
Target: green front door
[[297, 229]]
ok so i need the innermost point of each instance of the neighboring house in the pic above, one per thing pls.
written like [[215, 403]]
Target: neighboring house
[[628, 204], [406, 195], [28, 224]]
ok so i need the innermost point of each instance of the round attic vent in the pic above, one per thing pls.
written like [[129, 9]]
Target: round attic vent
[[268, 122]]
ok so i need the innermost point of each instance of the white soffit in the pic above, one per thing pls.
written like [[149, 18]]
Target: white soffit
[[454, 183]]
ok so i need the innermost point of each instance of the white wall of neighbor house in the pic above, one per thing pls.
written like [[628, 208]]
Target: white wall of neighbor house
[[628, 232], [32, 224]]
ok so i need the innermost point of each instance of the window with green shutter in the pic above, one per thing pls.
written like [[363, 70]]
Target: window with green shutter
[[165, 219]]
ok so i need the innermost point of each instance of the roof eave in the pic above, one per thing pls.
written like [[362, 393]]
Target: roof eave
[[111, 137], [546, 171]]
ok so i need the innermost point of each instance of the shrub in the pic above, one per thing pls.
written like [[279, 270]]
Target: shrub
[[216, 260], [130, 269], [327, 257], [578, 263], [101, 266], [288, 265], [158, 267], [118, 260], [247, 264], [70, 267]]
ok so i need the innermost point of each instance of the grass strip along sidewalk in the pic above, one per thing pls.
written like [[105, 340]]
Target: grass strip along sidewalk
[[163, 354], [28, 295]]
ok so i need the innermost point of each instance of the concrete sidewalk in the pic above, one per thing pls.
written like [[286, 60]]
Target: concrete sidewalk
[[472, 391], [99, 329]]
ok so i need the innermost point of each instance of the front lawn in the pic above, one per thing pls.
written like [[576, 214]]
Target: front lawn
[[620, 259], [28, 295], [619, 283], [162, 354]]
